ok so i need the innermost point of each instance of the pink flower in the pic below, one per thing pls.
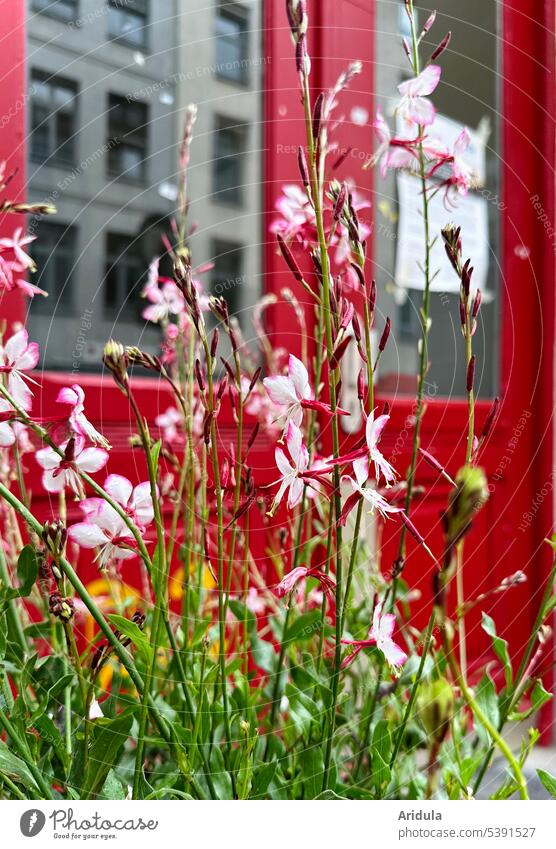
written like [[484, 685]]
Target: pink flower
[[414, 106], [392, 153], [16, 244], [297, 215], [376, 501], [136, 501], [380, 635], [461, 176], [107, 531], [292, 469], [295, 393], [75, 397], [255, 601], [361, 466], [7, 434], [63, 472], [10, 279], [169, 422], [300, 573], [165, 300], [16, 356]]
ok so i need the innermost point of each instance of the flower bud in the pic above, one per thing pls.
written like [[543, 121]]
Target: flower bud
[[199, 375], [442, 46], [435, 708], [317, 116], [356, 327], [385, 336], [54, 536], [303, 169], [361, 385], [214, 343], [471, 373], [470, 495], [62, 608], [429, 22], [340, 201], [491, 418], [290, 259], [115, 360]]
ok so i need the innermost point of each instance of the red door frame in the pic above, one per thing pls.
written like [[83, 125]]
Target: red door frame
[[520, 456]]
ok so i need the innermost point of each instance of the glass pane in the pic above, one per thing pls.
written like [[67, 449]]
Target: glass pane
[[467, 95], [110, 165]]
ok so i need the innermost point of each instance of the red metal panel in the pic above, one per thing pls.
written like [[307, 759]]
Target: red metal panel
[[13, 104]]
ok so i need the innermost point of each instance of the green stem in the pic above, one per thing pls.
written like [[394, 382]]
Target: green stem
[[25, 755]]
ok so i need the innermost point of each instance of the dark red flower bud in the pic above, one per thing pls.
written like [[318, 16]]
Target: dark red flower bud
[[199, 375], [302, 164], [462, 313], [317, 115], [222, 386], [386, 409], [385, 336], [290, 259], [491, 418], [340, 202], [254, 434], [372, 297], [361, 385], [471, 373], [356, 327], [339, 352], [476, 304], [442, 46], [359, 271], [214, 343], [228, 368], [255, 378]]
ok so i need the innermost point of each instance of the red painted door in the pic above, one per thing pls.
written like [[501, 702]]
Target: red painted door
[[508, 534]]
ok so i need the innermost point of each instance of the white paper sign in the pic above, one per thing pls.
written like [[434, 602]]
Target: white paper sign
[[471, 214]]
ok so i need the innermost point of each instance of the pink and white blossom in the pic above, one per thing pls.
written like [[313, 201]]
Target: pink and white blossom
[[380, 634], [16, 244], [170, 422], [63, 472], [18, 356], [294, 392], [107, 531], [135, 500], [361, 466], [291, 468], [78, 421], [10, 279], [7, 433], [301, 573], [414, 107], [164, 300]]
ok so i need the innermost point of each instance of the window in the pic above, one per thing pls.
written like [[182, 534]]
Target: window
[[227, 274], [127, 129], [53, 119], [54, 253], [65, 10], [123, 280], [231, 43], [127, 21], [229, 148]]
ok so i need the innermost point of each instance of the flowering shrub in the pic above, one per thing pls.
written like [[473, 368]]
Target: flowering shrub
[[289, 684]]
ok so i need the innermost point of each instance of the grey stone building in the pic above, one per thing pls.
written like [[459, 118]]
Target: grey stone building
[[108, 82]]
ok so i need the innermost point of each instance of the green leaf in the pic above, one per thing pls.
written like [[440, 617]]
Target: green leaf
[[500, 647], [15, 768], [155, 454], [49, 734], [108, 739], [539, 696], [312, 767], [548, 781], [262, 776], [27, 568], [304, 627], [133, 631], [487, 700], [220, 776], [380, 755]]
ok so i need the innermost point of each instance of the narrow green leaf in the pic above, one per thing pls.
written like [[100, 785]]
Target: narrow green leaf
[[500, 647], [108, 739], [133, 631], [548, 781], [17, 769]]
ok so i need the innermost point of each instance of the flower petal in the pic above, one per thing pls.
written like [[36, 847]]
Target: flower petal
[[91, 459], [299, 377], [118, 488], [280, 389], [87, 535]]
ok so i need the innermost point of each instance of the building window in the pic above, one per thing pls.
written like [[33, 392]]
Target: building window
[[124, 278], [64, 10], [227, 274], [232, 43], [229, 148], [127, 142], [128, 21], [54, 253], [53, 119]]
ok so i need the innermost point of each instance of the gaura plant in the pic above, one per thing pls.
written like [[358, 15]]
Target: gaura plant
[[226, 678]]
